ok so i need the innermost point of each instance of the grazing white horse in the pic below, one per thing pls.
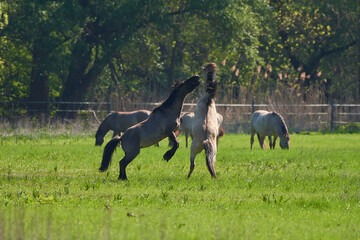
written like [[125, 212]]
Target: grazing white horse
[[205, 128], [269, 124], [186, 123]]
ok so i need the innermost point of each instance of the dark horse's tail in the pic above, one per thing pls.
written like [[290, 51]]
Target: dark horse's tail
[[108, 152]]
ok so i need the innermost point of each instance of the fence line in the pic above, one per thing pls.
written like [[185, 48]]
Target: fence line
[[298, 117], [194, 104]]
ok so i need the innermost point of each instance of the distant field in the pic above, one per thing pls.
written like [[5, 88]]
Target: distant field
[[50, 189]]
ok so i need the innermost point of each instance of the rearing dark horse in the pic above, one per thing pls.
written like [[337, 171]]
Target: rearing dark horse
[[162, 123]]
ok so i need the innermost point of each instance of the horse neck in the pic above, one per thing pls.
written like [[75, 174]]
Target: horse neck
[[175, 103], [104, 128], [281, 127]]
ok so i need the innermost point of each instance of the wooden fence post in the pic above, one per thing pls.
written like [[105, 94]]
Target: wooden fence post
[[332, 115], [253, 106]]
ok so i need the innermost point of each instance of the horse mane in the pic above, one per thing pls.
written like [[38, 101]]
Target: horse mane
[[283, 125], [168, 101]]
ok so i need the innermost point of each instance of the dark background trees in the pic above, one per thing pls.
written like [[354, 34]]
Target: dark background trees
[[130, 50]]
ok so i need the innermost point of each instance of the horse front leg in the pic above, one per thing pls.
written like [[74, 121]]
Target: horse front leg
[[270, 142], [274, 142], [175, 145], [117, 133], [252, 139]]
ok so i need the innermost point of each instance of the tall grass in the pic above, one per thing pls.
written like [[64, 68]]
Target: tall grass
[[50, 189]]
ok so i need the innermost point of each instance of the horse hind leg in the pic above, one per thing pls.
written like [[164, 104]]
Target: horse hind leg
[[261, 140], [131, 151], [196, 148], [270, 142], [117, 133], [252, 139], [210, 152], [274, 142], [124, 162]]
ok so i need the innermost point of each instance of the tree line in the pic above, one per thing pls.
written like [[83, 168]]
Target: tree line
[[132, 50]]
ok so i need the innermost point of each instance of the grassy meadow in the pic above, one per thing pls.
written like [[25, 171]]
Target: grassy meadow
[[50, 189]]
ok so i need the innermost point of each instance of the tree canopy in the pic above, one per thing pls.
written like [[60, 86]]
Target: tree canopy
[[81, 50]]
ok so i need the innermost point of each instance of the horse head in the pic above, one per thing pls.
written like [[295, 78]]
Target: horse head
[[99, 139], [188, 85], [284, 141]]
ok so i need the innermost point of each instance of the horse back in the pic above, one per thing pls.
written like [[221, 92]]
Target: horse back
[[141, 115], [186, 122], [123, 120], [260, 122], [264, 123], [206, 122], [154, 129]]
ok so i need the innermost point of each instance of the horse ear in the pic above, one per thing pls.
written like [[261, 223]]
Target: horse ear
[[176, 84]]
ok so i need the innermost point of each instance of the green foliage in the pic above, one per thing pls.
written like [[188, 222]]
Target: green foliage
[[135, 50], [51, 188], [349, 128], [309, 37]]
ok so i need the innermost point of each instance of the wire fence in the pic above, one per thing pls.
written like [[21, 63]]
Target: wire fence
[[298, 117]]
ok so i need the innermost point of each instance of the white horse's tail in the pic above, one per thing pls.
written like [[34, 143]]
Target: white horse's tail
[[210, 151]]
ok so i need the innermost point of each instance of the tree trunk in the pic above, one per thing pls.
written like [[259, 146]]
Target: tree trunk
[[76, 83], [82, 74], [39, 83]]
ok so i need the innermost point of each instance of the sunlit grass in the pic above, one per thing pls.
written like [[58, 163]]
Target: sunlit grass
[[50, 188]]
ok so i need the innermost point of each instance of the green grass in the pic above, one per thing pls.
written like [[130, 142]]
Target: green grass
[[50, 189]]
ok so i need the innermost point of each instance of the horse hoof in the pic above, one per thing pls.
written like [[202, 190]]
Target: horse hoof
[[167, 157], [122, 178]]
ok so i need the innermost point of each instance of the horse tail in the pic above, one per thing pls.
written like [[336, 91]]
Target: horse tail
[[108, 152], [211, 88], [211, 83], [210, 156]]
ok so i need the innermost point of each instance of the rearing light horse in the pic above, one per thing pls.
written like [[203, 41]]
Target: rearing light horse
[[186, 123], [205, 127], [163, 122], [119, 122], [269, 124]]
